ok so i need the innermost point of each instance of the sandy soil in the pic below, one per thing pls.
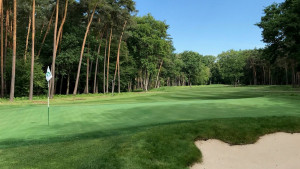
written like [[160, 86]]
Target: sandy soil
[[273, 151]]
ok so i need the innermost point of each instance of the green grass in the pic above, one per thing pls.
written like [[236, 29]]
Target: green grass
[[140, 130]]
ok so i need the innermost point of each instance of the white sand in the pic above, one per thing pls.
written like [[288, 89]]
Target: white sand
[[273, 151]]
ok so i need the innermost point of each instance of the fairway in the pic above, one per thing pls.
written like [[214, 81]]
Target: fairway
[[84, 118]]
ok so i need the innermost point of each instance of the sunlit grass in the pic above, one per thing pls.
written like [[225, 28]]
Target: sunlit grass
[[153, 129]]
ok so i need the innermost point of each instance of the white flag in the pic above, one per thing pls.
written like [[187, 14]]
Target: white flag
[[48, 74]]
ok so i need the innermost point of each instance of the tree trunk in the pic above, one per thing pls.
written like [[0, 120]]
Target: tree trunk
[[108, 55], [286, 74], [96, 66], [46, 33], [87, 73], [82, 50], [157, 77], [254, 76], [137, 80], [264, 75], [298, 78], [13, 71], [5, 47], [293, 74], [95, 76], [68, 84], [61, 82], [59, 35], [104, 65], [32, 51], [57, 38], [91, 67], [27, 38], [113, 84], [270, 82], [119, 48], [42, 29], [54, 52], [2, 59]]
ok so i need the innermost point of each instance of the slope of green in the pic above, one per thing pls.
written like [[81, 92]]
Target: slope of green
[[140, 130]]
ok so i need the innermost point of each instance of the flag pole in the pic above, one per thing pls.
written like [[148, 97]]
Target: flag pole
[[48, 78], [48, 102]]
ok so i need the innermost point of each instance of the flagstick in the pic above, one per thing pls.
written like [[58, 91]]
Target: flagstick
[[48, 78], [48, 102]]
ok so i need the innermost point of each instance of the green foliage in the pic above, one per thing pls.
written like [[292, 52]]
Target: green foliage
[[23, 76], [281, 24], [231, 65], [194, 67]]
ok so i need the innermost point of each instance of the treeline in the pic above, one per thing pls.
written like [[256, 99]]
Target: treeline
[[247, 67], [101, 46]]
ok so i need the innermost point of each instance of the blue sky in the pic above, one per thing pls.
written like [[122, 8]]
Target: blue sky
[[209, 26]]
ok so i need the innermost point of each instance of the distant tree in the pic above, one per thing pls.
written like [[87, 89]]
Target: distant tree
[[209, 61], [32, 51], [13, 71], [192, 65], [82, 48], [148, 44], [57, 37], [2, 50], [231, 66]]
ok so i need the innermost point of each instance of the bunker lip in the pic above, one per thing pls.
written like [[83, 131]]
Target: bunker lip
[[278, 150]]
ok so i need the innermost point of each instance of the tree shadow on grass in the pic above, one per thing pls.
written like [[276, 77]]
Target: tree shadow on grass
[[9, 143], [213, 95], [283, 123]]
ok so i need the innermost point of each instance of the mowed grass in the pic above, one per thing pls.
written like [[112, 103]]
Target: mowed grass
[[140, 130]]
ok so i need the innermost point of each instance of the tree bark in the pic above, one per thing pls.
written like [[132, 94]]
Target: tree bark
[[57, 41], [42, 29], [61, 82], [108, 55], [96, 66], [54, 51], [270, 82], [254, 75], [293, 73], [298, 78], [286, 74], [46, 33], [118, 56], [157, 77], [2, 60], [27, 38], [95, 76], [87, 73], [104, 65], [32, 51], [5, 47], [13, 71], [82, 50], [113, 84], [264, 75], [68, 84], [59, 35]]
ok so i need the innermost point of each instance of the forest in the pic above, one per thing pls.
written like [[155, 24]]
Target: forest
[[103, 46]]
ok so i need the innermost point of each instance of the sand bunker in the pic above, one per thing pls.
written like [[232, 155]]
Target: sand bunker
[[273, 151]]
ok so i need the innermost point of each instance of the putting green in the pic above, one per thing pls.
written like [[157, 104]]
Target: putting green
[[24, 120]]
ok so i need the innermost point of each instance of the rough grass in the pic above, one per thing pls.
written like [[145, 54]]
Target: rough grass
[[141, 130]]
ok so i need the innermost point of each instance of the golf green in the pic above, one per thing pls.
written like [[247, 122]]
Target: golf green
[[69, 115], [155, 129]]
